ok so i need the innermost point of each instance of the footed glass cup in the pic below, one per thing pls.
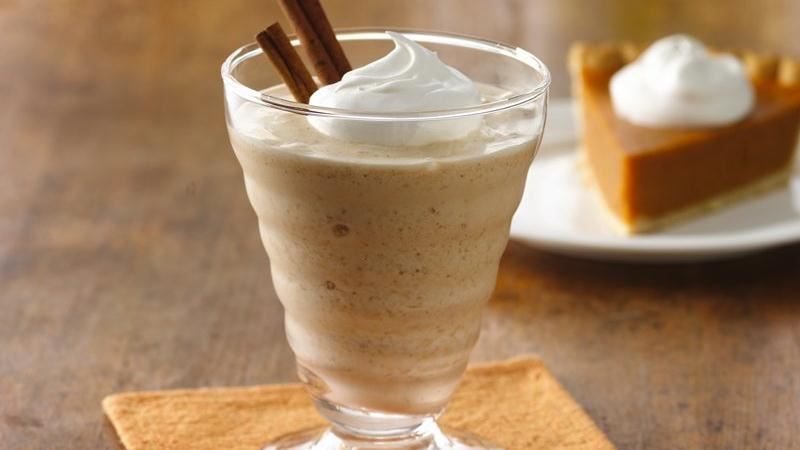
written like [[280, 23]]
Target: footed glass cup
[[384, 256]]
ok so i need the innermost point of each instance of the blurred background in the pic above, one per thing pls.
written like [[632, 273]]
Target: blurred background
[[89, 36]]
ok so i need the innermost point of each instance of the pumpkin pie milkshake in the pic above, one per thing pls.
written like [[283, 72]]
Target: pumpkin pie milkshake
[[385, 226]]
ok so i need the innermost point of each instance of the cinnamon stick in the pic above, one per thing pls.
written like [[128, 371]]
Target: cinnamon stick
[[318, 39], [275, 44], [317, 17]]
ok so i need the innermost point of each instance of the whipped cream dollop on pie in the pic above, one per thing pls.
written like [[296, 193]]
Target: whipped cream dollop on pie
[[677, 82]]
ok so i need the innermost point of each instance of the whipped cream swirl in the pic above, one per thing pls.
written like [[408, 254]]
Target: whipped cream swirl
[[676, 82], [410, 79]]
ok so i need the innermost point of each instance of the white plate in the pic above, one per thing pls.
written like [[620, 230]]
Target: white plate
[[560, 214]]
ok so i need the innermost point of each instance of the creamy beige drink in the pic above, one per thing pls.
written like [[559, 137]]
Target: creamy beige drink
[[384, 204], [383, 256]]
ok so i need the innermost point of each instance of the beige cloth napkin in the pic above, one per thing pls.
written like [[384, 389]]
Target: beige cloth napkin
[[517, 404]]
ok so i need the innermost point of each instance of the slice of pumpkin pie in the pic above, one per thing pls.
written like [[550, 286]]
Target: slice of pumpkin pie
[[678, 130]]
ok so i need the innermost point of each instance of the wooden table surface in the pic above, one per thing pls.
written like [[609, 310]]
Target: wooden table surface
[[130, 259]]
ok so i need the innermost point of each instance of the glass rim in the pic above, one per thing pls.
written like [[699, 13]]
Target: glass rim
[[251, 50]]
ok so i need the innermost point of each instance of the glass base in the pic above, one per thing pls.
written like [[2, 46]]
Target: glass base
[[365, 429], [427, 437]]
